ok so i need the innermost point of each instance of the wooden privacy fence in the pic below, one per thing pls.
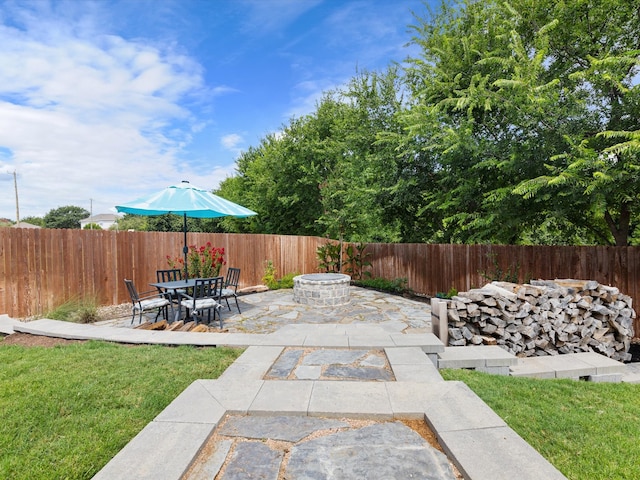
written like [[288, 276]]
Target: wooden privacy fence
[[41, 268]]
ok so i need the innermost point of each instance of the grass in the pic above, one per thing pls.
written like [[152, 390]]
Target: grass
[[588, 431], [66, 411]]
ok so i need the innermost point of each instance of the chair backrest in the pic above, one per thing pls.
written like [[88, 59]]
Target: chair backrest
[[208, 288], [133, 293], [233, 277], [169, 275]]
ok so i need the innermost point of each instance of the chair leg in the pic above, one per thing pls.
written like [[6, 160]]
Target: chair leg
[[237, 304], [133, 315]]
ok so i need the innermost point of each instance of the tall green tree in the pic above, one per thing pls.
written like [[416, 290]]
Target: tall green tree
[[518, 104], [328, 173], [65, 217]]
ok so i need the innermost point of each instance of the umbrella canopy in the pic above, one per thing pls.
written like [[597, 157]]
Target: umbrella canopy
[[186, 200]]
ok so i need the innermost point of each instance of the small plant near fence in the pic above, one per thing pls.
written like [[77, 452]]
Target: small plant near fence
[[496, 273], [328, 256], [356, 261], [271, 280], [202, 262], [453, 291]]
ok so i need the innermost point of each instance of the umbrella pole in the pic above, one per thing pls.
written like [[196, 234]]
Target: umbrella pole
[[185, 249]]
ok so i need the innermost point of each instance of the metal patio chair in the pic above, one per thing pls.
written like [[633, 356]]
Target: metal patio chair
[[171, 275], [231, 287], [205, 298], [146, 301]]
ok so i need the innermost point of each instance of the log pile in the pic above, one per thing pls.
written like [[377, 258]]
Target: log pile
[[544, 318], [179, 326]]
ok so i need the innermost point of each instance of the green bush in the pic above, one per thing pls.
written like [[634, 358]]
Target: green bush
[[453, 291], [398, 285], [271, 280]]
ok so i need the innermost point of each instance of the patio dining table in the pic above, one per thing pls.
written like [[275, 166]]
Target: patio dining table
[[172, 288]]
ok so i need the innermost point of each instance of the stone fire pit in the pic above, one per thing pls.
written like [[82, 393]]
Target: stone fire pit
[[322, 289]]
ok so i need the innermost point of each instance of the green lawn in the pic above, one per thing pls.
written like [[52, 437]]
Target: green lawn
[[589, 431], [66, 411]]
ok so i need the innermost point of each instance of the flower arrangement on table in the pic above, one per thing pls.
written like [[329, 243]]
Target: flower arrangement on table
[[202, 262]]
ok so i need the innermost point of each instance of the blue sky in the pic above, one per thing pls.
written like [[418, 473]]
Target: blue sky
[[105, 101]]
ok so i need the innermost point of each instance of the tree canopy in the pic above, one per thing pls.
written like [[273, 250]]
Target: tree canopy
[[516, 122], [65, 217]]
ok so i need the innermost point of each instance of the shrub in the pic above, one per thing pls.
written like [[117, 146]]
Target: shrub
[[270, 278], [398, 285], [75, 310], [329, 257]]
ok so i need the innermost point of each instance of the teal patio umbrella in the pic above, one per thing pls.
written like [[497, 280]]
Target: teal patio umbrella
[[188, 201]]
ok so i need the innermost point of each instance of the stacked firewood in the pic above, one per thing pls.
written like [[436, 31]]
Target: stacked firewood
[[179, 326], [544, 318]]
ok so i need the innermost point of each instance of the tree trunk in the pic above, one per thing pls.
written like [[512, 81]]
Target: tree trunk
[[620, 231]]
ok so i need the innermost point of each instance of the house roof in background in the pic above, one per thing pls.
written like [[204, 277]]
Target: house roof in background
[[24, 225], [101, 217]]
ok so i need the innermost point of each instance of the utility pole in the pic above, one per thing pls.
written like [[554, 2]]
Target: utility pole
[[91, 213], [15, 186]]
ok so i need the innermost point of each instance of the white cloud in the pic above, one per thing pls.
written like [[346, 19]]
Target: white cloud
[[88, 115], [231, 141]]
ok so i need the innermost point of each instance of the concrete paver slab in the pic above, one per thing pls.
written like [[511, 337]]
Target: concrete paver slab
[[259, 355], [417, 373], [603, 365], [160, 450], [567, 367], [407, 356], [326, 340], [460, 409], [350, 399], [496, 454], [427, 341], [235, 394], [372, 341], [194, 405], [6, 324], [475, 356], [411, 399], [284, 397], [246, 371], [530, 367]]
